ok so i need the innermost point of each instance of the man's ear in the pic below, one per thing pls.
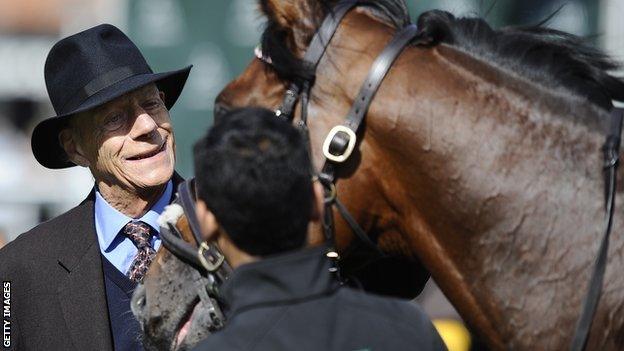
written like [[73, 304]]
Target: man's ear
[[67, 139], [296, 17], [317, 205], [207, 221]]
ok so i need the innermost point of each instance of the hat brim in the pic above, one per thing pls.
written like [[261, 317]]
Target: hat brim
[[45, 143]]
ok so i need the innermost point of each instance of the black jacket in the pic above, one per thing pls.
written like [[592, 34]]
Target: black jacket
[[292, 302]]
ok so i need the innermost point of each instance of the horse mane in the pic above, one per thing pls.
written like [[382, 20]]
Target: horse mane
[[551, 58], [554, 59]]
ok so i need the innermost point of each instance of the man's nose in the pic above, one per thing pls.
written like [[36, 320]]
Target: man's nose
[[144, 124]]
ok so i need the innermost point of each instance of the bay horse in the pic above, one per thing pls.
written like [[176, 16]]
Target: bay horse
[[480, 158]]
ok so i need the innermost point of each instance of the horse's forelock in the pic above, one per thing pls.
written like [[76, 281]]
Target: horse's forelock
[[277, 41]]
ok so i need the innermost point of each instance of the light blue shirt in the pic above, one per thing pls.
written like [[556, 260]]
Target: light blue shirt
[[116, 247]]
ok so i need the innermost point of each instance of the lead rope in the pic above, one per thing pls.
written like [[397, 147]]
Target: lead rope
[[611, 151]]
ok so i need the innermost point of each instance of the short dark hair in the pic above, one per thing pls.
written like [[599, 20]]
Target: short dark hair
[[254, 173]]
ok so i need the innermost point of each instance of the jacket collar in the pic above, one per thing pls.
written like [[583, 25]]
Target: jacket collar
[[80, 235], [283, 278], [81, 291]]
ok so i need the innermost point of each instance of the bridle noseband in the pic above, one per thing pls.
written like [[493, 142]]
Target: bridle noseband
[[204, 257]]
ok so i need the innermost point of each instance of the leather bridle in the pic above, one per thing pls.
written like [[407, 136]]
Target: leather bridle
[[611, 156], [342, 140], [202, 256]]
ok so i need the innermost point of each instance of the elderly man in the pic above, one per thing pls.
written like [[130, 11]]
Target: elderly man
[[71, 278]]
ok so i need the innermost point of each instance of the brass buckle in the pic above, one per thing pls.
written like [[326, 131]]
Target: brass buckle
[[210, 266], [330, 137], [330, 196]]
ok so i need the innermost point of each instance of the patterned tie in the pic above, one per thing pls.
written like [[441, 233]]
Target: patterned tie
[[140, 233]]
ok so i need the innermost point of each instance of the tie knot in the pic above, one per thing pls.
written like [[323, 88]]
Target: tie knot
[[139, 233]]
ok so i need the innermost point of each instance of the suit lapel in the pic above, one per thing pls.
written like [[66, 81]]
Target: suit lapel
[[82, 294]]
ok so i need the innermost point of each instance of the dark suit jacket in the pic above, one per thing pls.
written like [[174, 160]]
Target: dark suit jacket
[[58, 300]]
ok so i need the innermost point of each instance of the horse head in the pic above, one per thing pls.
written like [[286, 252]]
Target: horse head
[[290, 26], [173, 303]]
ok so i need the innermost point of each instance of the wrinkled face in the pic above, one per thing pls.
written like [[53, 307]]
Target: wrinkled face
[[127, 142]]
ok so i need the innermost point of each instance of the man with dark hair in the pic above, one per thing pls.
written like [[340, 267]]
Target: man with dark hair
[[256, 198]]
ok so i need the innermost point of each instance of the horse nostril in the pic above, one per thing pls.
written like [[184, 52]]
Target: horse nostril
[[138, 300], [219, 112]]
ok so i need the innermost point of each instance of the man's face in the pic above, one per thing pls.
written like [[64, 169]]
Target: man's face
[[127, 142]]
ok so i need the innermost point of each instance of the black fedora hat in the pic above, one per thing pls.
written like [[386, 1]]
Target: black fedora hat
[[86, 70]]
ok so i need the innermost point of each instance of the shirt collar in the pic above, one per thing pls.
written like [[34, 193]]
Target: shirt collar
[[109, 221]]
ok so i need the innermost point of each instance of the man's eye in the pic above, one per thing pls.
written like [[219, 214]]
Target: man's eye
[[152, 104], [114, 121]]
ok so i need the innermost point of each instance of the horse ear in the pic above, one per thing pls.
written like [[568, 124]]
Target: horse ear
[[295, 16]]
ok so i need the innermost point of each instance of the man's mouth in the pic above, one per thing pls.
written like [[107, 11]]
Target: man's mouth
[[149, 154]]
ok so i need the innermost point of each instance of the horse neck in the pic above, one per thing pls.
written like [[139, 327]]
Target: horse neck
[[492, 181], [512, 199]]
